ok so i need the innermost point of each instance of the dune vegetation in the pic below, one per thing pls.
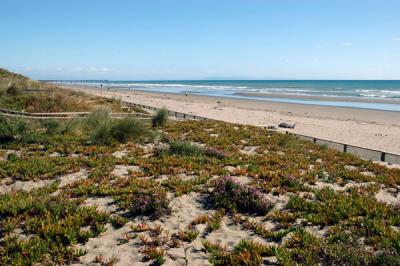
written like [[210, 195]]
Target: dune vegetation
[[245, 196], [20, 93], [103, 191]]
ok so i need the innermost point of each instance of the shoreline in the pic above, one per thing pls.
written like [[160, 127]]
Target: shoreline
[[321, 98], [382, 104], [374, 129]]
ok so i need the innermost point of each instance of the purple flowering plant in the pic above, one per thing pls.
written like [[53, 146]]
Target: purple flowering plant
[[231, 195]]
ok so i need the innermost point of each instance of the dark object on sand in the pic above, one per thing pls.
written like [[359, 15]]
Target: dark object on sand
[[271, 127], [286, 125]]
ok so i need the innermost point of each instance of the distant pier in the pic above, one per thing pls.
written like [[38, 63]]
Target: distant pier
[[74, 81]]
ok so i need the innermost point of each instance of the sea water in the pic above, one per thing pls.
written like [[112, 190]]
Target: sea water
[[344, 93]]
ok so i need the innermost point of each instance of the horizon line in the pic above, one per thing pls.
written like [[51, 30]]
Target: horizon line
[[224, 79]]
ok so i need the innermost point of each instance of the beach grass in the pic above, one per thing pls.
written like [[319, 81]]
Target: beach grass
[[20, 93]]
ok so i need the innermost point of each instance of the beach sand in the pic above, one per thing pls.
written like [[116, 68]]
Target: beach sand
[[126, 246], [372, 129]]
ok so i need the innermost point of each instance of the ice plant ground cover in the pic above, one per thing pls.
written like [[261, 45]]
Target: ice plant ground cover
[[190, 193]]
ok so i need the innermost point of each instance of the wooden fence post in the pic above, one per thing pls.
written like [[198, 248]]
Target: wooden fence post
[[383, 156]]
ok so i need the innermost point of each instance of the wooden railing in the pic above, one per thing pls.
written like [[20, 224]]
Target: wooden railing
[[66, 114], [362, 152]]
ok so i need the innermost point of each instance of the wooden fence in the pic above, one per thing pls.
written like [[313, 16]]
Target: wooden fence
[[365, 153], [67, 114]]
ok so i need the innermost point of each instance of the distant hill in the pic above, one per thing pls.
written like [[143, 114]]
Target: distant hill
[[5, 74], [10, 79]]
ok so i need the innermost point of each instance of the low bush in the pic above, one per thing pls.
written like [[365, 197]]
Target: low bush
[[33, 137], [129, 129], [160, 118], [184, 148], [70, 126], [212, 152], [52, 126], [188, 149], [6, 132], [230, 194], [101, 116], [21, 126], [104, 129], [101, 134], [149, 201], [14, 89]]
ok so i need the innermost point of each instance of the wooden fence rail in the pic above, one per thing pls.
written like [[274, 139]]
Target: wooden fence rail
[[362, 152], [365, 153]]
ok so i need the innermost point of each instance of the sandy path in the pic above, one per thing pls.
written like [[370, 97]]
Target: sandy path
[[366, 128]]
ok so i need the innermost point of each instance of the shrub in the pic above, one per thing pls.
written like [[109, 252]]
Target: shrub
[[101, 134], [99, 122], [105, 129], [24, 131], [212, 152], [70, 126], [189, 149], [229, 194], [52, 126], [101, 116], [160, 118], [151, 201], [12, 157], [129, 129], [14, 89], [32, 136], [184, 148], [21, 127], [6, 132], [3, 90]]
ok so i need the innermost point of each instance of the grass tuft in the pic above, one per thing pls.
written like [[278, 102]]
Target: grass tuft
[[160, 118]]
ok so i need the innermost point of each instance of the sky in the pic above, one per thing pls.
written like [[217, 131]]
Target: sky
[[202, 39]]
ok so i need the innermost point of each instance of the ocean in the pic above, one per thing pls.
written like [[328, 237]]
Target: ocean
[[369, 94]]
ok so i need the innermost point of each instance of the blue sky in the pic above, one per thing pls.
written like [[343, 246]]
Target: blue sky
[[203, 39]]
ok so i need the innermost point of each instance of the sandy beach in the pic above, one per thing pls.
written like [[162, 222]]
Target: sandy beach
[[361, 127], [107, 191]]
